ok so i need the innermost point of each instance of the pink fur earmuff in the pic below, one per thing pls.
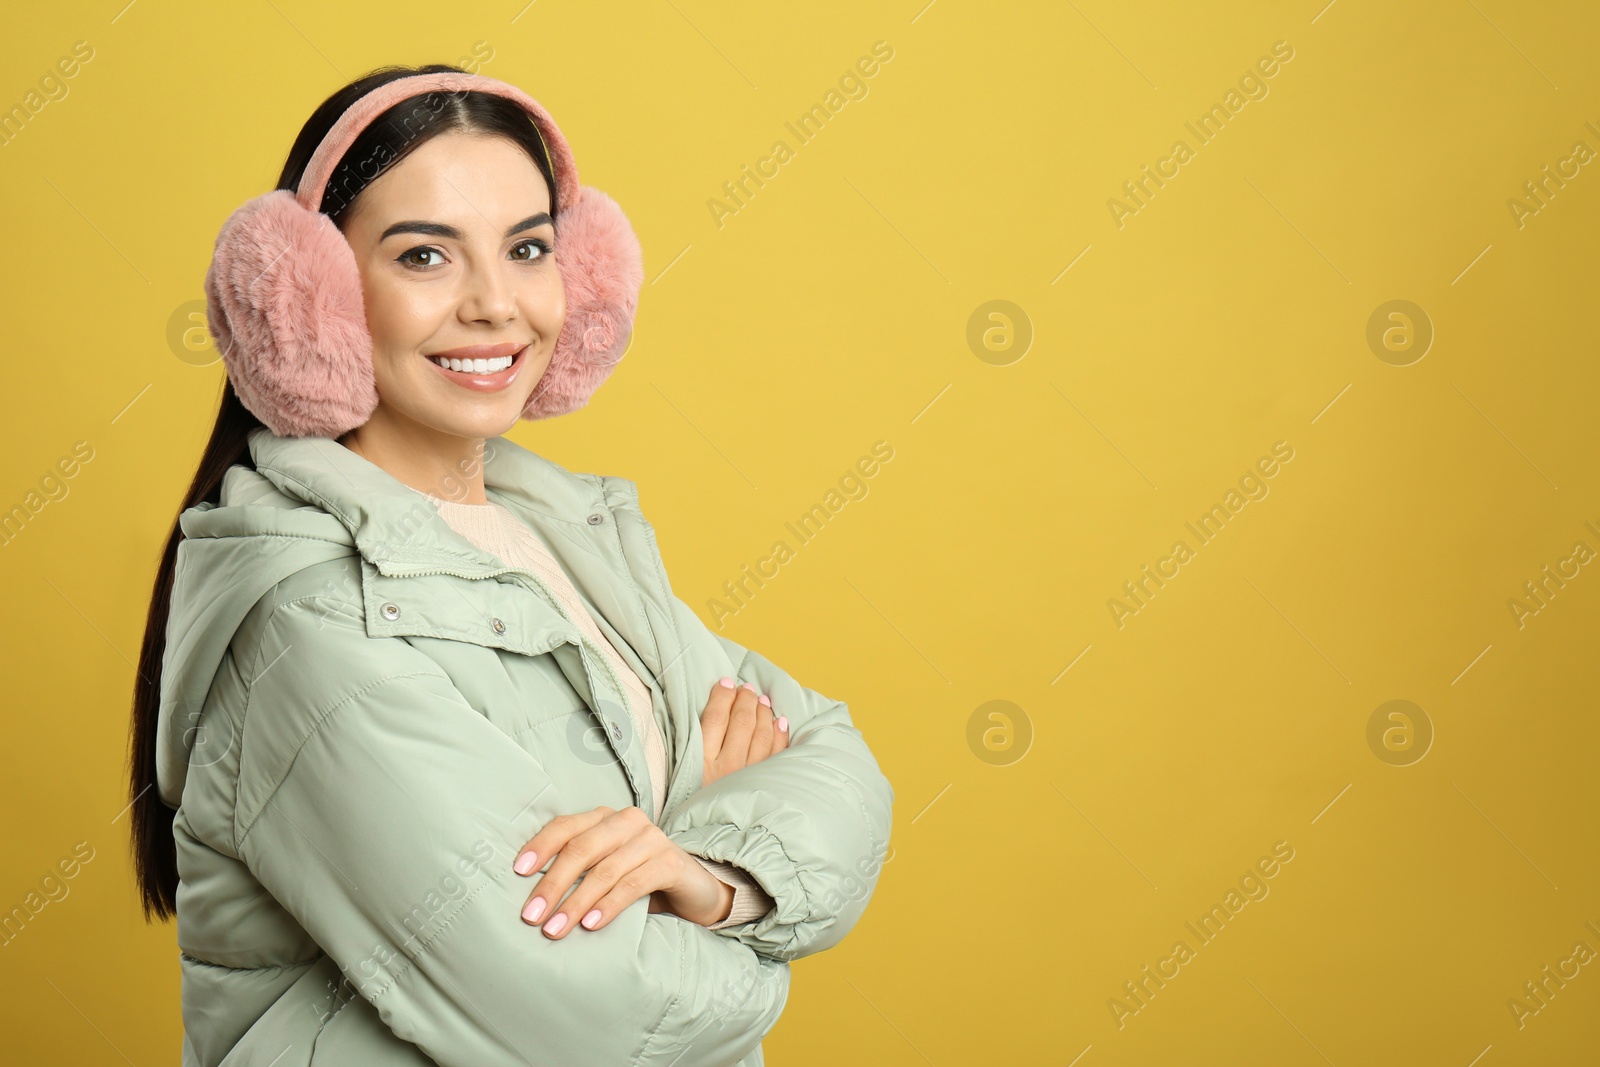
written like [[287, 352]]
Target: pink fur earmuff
[[283, 293]]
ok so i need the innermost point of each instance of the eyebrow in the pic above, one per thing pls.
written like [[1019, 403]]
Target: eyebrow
[[438, 229]]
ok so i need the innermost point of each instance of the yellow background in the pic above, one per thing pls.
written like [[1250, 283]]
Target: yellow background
[[831, 312]]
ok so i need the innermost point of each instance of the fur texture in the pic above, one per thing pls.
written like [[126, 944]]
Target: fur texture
[[284, 299], [602, 268], [284, 303]]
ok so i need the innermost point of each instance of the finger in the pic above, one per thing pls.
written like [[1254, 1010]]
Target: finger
[[620, 878], [656, 871], [577, 855], [780, 730], [714, 720], [552, 837], [741, 725], [761, 738]]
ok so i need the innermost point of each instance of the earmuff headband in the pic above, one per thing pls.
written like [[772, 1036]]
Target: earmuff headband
[[313, 183], [285, 302]]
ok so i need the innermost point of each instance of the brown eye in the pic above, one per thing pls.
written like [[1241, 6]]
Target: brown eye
[[403, 258], [535, 249]]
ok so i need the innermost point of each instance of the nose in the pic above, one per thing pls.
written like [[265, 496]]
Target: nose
[[489, 296]]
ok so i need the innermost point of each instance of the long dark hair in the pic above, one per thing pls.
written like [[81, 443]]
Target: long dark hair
[[382, 144]]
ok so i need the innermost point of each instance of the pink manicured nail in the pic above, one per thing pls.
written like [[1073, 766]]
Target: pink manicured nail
[[533, 909], [557, 921], [726, 683], [762, 699], [750, 687], [590, 919], [783, 723], [526, 863]]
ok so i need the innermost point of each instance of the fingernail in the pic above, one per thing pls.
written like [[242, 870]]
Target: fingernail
[[590, 919], [526, 863], [726, 683], [556, 923], [783, 723], [533, 909], [750, 687], [762, 699]]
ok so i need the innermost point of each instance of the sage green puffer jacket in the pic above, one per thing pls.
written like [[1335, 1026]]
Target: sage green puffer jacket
[[364, 717]]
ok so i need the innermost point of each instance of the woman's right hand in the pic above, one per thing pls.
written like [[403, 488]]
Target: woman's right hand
[[739, 729]]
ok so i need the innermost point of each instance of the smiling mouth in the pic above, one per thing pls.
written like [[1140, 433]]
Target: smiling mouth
[[482, 375], [478, 366]]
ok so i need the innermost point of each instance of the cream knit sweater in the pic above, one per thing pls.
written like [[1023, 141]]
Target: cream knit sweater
[[496, 530]]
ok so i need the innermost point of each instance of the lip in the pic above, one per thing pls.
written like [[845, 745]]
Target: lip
[[483, 383], [481, 351]]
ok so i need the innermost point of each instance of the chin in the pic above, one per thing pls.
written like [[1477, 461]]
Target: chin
[[482, 425]]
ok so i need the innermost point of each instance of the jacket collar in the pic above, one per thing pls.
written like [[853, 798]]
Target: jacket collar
[[406, 543], [399, 531]]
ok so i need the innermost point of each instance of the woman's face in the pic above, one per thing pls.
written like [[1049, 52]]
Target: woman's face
[[454, 244]]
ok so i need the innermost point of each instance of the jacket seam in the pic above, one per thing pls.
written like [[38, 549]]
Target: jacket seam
[[395, 552], [797, 880], [425, 946], [322, 717], [191, 958], [327, 1022], [244, 718], [683, 982]]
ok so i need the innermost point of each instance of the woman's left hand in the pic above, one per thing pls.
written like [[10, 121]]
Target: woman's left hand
[[627, 858]]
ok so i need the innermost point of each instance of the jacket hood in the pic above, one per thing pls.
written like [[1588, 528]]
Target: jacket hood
[[310, 500]]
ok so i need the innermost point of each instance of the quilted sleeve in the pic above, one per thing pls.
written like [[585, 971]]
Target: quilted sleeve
[[383, 812], [810, 824]]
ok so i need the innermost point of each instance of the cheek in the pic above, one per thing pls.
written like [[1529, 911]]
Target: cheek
[[546, 304], [399, 317]]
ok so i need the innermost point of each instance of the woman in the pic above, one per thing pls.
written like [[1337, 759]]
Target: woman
[[427, 759]]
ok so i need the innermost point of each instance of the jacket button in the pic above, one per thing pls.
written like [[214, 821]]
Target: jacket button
[[498, 626], [596, 519], [616, 732], [390, 611]]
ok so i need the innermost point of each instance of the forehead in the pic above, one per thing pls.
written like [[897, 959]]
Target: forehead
[[468, 176]]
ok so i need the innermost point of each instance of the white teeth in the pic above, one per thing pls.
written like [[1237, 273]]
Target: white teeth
[[475, 366]]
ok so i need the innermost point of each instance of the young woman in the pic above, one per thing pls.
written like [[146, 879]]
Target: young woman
[[427, 759]]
